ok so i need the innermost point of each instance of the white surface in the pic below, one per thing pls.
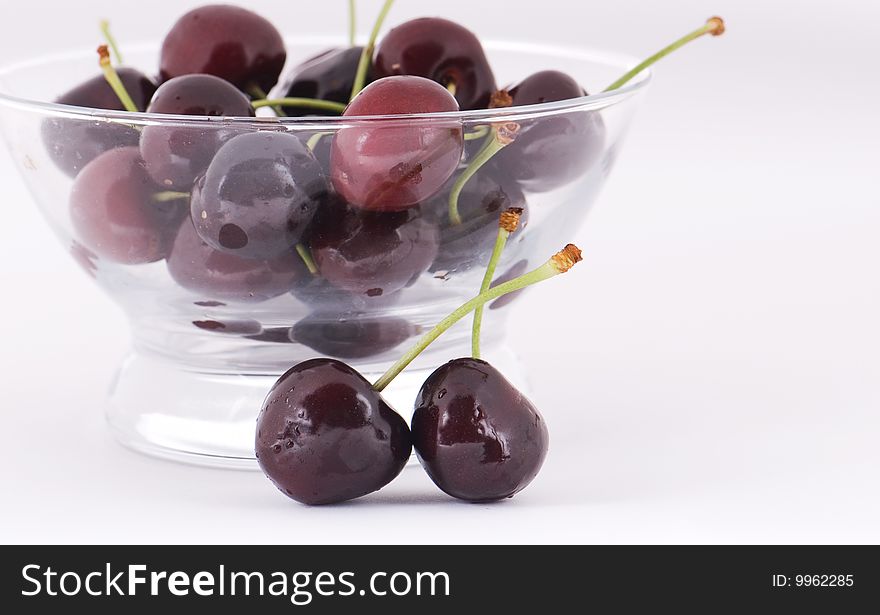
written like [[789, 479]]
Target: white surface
[[714, 377]]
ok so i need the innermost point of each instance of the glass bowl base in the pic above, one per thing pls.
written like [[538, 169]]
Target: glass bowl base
[[205, 418]]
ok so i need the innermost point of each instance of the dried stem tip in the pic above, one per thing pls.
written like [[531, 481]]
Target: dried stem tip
[[501, 100], [104, 55], [717, 24], [506, 133], [510, 219], [567, 258]]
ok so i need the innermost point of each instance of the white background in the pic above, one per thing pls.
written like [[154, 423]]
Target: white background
[[710, 373]]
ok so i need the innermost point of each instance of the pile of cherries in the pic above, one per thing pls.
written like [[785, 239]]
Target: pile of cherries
[[226, 205], [345, 221]]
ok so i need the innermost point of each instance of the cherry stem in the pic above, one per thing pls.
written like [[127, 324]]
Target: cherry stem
[[498, 139], [258, 93], [313, 141], [714, 26], [352, 22], [507, 225], [114, 81], [111, 40], [479, 133], [360, 78], [560, 263], [169, 195], [306, 256], [307, 103]]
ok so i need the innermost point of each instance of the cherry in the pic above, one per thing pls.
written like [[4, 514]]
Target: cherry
[[73, 143], [544, 87], [324, 435], [322, 295], [440, 50], [478, 437], [482, 200], [328, 76], [351, 336], [226, 41], [372, 253], [176, 155], [386, 165], [114, 213], [258, 195], [550, 152], [198, 267]]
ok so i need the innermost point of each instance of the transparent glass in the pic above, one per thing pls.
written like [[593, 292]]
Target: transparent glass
[[210, 339]]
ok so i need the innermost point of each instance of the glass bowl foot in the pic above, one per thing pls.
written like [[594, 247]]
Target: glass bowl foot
[[165, 410]]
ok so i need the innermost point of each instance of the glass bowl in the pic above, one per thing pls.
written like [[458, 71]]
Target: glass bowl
[[212, 332]]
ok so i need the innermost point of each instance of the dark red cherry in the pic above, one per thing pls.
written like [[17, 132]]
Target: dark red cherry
[[440, 50], [551, 151], [258, 195], [351, 336], [545, 86], [389, 165], [73, 143], [469, 244], [198, 267], [318, 293], [114, 214], [328, 76], [177, 155], [325, 435], [372, 253], [226, 41], [477, 436]]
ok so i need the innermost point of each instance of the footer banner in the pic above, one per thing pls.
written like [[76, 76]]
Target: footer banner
[[420, 579]]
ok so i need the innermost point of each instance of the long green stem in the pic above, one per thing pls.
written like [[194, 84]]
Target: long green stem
[[499, 138], [114, 81], [111, 40], [306, 103], [479, 133], [508, 223], [313, 141], [169, 195], [560, 263], [714, 26], [367, 55], [257, 93], [307, 259], [352, 22], [500, 243]]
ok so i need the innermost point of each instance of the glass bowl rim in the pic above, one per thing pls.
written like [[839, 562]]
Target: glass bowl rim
[[592, 102]]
